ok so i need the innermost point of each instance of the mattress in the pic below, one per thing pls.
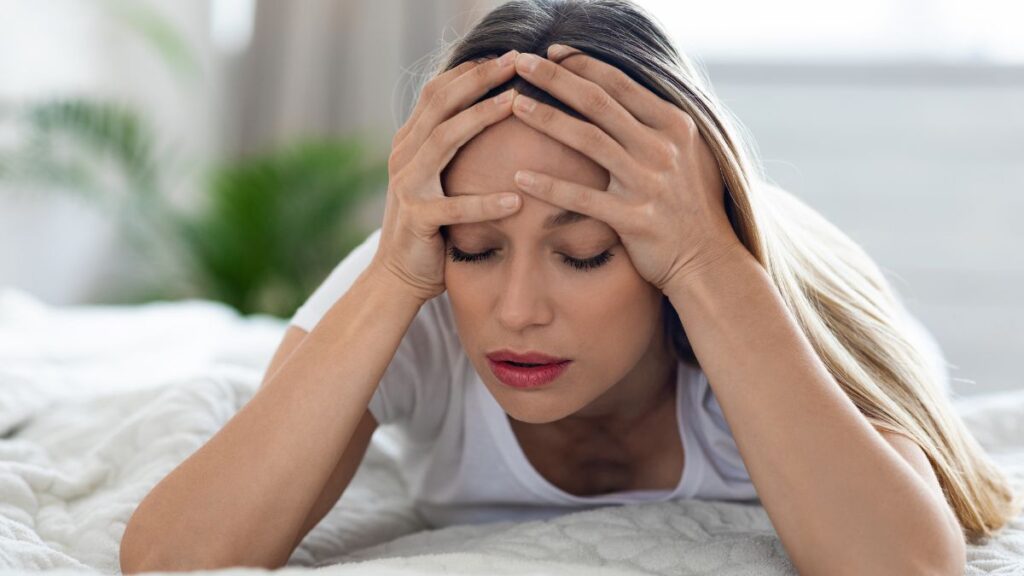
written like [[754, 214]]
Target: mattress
[[98, 403]]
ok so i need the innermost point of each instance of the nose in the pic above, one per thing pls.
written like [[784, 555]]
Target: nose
[[523, 299]]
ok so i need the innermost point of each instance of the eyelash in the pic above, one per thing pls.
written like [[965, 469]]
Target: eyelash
[[581, 265]]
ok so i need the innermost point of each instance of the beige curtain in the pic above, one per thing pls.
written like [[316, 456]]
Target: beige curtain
[[333, 67]]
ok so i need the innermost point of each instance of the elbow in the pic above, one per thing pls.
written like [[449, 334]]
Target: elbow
[[129, 555], [940, 554], [946, 557], [951, 549], [141, 552], [136, 551], [952, 560], [137, 547]]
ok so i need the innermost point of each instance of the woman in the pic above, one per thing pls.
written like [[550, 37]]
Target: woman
[[799, 381]]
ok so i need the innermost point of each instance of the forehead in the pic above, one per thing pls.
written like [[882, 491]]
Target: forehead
[[487, 163]]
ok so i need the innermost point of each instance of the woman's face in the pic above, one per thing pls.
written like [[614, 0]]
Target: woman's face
[[523, 296]]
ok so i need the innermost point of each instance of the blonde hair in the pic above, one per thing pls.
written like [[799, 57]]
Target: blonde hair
[[842, 302]]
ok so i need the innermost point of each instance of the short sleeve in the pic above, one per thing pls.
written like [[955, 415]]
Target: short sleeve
[[415, 387], [336, 284], [720, 471]]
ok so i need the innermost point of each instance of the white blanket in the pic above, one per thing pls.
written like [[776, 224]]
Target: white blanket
[[97, 404]]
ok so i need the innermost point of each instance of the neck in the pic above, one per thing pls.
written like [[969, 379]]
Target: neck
[[640, 394]]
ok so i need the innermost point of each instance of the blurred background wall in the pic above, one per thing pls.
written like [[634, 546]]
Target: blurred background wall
[[899, 120]]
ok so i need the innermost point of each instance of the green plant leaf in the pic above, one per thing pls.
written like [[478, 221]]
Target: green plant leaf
[[275, 224]]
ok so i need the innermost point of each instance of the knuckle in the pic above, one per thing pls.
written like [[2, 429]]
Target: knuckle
[[597, 100], [684, 121], [394, 160], [438, 99], [581, 198], [441, 135], [661, 181], [544, 114], [482, 109], [592, 138], [453, 209], [397, 185], [646, 211], [458, 70], [549, 73], [429, 89], [483, 73], [545, 186], [621, 86], [579, 64], [665, 151], [402, 132]]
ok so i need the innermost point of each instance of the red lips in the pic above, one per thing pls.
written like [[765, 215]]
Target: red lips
[[529, 357]]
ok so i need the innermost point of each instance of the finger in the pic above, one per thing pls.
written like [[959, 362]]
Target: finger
[[444, 102], [436, 83], [643, 104], [589, 99], [598, 204], [451, 134], [469, 208], [577, 134]]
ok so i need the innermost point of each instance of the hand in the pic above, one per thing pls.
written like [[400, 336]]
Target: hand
[[665, 197], [411, 248]]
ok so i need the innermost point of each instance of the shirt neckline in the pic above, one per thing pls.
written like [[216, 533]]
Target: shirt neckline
[[507, 442]]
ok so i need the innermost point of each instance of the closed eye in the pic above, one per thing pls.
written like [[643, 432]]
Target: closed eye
[[578, 264]]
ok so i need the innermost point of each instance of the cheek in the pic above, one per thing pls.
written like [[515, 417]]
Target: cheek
[[471, 298], [619, 319], [468, 290]]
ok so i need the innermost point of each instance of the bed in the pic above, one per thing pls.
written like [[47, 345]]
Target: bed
[[98, 403]]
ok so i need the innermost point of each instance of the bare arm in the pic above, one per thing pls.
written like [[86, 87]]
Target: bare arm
[[350, 460], [245, 496], [844, 498]]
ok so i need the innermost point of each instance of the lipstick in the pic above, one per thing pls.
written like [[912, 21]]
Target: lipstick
[[520, 377]]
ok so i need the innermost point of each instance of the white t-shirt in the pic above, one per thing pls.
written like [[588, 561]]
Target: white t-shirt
[[463, 463]]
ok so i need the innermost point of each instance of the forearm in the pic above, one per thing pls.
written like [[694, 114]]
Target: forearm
[[241, 498], [841, 499]]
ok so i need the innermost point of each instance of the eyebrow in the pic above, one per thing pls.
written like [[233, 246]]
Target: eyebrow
[[563, 218]]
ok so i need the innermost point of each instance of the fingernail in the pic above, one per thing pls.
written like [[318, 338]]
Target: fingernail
[[557, 51], [524, 178], [509, 200], [529, 61], [505, 96], [525, 103], [507, 58]]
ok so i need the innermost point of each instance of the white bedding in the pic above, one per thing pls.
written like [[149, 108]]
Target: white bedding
[[97, 404]]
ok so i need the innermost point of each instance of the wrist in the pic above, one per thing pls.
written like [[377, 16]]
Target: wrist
[[709, 270], [385, 281]]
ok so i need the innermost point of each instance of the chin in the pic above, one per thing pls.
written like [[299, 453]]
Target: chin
[[532, 408], [531, 419]]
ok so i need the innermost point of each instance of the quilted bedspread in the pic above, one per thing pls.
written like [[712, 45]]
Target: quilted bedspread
[[98, 403]]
